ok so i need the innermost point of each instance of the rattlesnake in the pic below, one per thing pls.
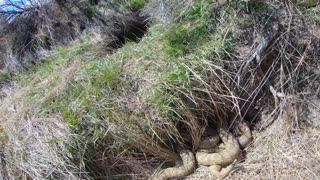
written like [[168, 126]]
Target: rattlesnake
[[184, 168], [219, 157], [221, 162], [246, 135]]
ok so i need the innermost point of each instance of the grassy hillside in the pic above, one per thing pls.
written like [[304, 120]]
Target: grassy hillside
[[91, 110]]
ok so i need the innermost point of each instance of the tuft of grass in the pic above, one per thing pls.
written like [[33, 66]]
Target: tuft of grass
[[135, 5], [5, 77], [183, 40], [201, 11]]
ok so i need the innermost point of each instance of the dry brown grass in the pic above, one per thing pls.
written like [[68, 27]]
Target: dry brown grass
[[286, 147], [167, 11], [194, 93], [33, 144], [274, 155], [277, 156], [34, 149]]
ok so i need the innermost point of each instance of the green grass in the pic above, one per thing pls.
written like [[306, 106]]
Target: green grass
[[312, 14], [5, 77], [201, 10], [131, 106], [121, 102], [134, 5], [183, 40]]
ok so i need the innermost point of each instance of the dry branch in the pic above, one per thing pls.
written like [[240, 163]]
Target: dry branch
[[256, 58]]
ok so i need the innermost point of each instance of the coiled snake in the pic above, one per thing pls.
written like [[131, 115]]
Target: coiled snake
[[220, 157]]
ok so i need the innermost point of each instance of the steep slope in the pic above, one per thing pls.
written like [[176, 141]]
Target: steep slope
[[88, 111]]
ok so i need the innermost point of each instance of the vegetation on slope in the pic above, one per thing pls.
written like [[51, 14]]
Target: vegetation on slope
[[82, 113]]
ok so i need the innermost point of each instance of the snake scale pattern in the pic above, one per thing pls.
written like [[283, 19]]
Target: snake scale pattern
[[219, 152]]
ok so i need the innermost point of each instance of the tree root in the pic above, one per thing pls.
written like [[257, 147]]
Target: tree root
[[185, 168]]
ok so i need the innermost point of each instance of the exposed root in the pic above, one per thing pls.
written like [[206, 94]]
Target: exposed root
[[185, 168]]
